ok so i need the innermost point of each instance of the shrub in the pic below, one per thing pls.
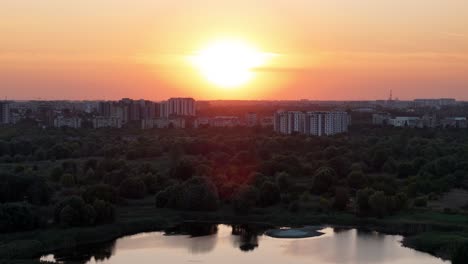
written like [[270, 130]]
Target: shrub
[[105, 212], [245, 200], [377, 202], [324, 178], [269, 194], [102, 192], [17, 217], [67, 180], [362, 201], [73, 211], [357, 179], [197, 194], [132, 188], [341, 198], [294, 207], [420, 201]]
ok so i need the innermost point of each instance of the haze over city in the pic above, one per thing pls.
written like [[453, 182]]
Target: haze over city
[[321, 50]]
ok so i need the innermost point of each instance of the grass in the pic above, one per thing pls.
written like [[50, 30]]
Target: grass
[[442, 244]]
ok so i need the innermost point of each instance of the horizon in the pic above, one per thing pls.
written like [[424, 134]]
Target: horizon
[[227, 100]]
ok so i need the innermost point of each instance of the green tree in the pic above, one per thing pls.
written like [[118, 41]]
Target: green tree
[[105, 212], [269, 194], [357, 179], [283, 181], [362, 201], [102, 192], [378, 203], [17, 217], [183, 170], [67, 180], [246, 199], [341, 198], [132, 188], [324, 178], [73, 211]]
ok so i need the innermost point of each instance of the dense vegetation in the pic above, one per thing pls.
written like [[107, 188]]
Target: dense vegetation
[[71, 178]]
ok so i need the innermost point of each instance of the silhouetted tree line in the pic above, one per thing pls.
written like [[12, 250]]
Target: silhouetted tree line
[[369, 172]]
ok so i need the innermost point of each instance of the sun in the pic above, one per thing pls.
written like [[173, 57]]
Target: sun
[[229, 63]]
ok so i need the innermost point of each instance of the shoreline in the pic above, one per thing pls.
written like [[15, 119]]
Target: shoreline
[[29, 246]]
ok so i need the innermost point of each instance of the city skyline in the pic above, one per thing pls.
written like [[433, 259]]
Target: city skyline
[[320, 50]]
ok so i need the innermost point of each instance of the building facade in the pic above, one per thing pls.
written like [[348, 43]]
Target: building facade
[[177, 107], [5, 114], [107, 122], [251, 119], [311, 123], [71, 122]]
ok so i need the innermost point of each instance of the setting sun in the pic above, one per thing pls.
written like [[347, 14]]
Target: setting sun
[[229, 63]]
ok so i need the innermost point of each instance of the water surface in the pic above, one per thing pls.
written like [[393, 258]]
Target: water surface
[[208, 243]]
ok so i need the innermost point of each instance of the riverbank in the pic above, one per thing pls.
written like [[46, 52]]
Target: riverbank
[[137, 219]]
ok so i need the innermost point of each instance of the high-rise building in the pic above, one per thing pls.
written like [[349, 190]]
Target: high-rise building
[[289, 122], [311, 123], [163, 109], [435, 102], [4, 112], [251, 119], [105, 122], [105, 108], [178, 107], [71, 122]]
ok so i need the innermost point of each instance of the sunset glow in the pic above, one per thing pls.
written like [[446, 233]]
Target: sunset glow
[[229, 63], [209, 49]]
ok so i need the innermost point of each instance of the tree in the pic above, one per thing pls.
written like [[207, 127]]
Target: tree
[[460, 254], [362, 201], [324, 178], [67, 180], [341, 198], [405, 169], [196, 194], [377, 202], [56, 173], [151, 182], [39, 192], [379, 158], [102, 192], [245, 200], [73, 211], [132, 188], [17, 217], [105, 212], [283, 181], [269, 194], [420, 201], [183, 170], [357, 179]]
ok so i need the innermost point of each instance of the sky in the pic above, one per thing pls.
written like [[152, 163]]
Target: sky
[[324, 49]]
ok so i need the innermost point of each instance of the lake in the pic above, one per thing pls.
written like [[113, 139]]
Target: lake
[[217, 243]]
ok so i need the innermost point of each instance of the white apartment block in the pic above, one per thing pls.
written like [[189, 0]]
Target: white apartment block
[[163, 123], [4, 112], [71, 122], [404, 121], [177, 107], [311, 123], [103, 122]]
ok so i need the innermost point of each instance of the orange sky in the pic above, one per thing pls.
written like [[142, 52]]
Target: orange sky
[[327, 49]]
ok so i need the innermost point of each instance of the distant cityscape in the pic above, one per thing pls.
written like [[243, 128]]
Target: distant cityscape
[[317, 118]]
